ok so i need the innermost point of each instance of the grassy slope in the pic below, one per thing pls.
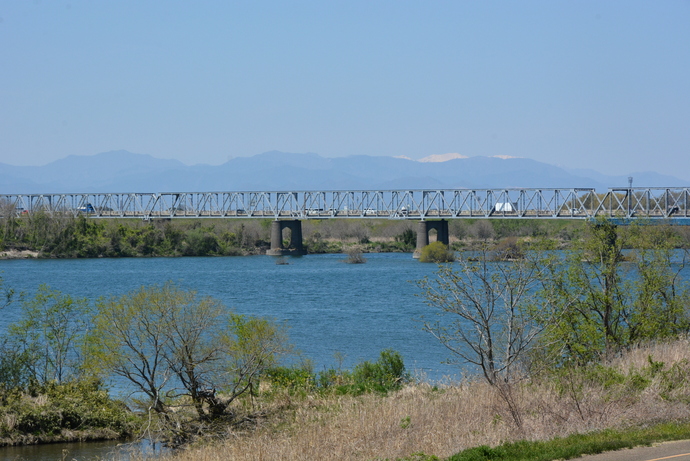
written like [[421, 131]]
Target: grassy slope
[[423, 422]]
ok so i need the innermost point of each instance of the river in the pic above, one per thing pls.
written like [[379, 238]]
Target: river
[[331, 308]]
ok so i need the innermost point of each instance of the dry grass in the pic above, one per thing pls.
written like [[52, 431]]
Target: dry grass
[[446, 420]]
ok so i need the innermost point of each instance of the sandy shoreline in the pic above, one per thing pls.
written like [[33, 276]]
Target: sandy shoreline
[[18, 254]]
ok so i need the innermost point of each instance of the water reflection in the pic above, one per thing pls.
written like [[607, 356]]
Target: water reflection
[[82, 451]]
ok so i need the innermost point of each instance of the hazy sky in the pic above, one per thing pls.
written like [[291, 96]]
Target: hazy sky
[[584, 84]]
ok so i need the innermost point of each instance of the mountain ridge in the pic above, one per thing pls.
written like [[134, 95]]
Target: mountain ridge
[[124, 171]]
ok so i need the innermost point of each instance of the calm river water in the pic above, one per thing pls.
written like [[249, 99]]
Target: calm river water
[[330, 307]]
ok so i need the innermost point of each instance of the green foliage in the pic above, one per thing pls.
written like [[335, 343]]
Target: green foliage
[[577, 445], [66, 236], [408, 239], [44, 342], [14, 374], [385, 375], [436, 252], [296, 379], [606, 301], [200, 242], [169, 342], [81, 405]]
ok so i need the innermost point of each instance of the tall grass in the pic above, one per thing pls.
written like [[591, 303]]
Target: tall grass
[[645, 386]]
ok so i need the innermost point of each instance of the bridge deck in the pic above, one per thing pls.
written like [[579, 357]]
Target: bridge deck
[[574, 203]]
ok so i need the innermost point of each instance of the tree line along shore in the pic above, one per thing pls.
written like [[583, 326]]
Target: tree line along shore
[[66, 236]]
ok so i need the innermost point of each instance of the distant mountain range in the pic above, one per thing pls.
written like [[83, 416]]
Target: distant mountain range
[[122, 171]]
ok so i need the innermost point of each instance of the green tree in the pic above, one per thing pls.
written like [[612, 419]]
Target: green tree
[[168, 343], [12, 372], [661, 294], [128, 340], [46, 338], [254, 345], [408, 239], [608, 301]]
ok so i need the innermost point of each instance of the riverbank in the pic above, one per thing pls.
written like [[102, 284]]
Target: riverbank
[[77, 411], [48, 236], [425, 422], [638, 398], [19, 254]]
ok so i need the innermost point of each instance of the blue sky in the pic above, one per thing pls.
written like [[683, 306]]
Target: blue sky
[[582, 84]]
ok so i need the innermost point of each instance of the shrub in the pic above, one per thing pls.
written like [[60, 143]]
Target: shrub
[[408, 239], [77, 405], [354, 255], [295, 378], [436, 252], [509, 249], [387, 373]]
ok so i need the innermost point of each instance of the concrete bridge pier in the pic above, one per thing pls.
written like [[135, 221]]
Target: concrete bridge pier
[[277, 247], [423, 228]]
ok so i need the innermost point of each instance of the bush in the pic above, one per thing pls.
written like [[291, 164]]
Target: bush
[[51, 408], [408, 239], [386, 374], [436, 252], [295, 378], [354, 255], [508, 249]]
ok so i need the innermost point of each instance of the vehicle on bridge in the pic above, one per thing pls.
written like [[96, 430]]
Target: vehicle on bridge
[[505, 207]]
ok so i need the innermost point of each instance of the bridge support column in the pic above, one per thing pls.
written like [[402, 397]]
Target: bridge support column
[[277, 247], [423, 228]]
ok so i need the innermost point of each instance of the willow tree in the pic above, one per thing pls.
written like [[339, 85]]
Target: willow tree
[[47, 336], [169, 343]]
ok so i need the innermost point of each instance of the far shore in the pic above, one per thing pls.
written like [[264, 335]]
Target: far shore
[[18, 254]]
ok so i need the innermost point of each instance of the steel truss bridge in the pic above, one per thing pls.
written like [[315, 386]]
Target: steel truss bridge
[[654, 203]]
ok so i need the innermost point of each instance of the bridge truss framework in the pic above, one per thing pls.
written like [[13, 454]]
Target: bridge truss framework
[[653, 203]]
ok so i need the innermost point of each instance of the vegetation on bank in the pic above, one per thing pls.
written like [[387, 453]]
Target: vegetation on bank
[[587, 339], [188, 365], [78, 410], [576, 445], [640, 396], [65, 236]]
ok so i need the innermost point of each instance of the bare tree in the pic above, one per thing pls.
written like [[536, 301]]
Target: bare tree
[[486, 310]]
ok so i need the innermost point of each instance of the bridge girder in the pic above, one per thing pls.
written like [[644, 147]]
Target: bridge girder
[[573, 203]]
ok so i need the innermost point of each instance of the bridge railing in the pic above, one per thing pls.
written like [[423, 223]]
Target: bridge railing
[[666, 203]]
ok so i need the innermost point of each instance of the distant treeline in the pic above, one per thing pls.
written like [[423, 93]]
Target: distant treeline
[[66, 236]]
